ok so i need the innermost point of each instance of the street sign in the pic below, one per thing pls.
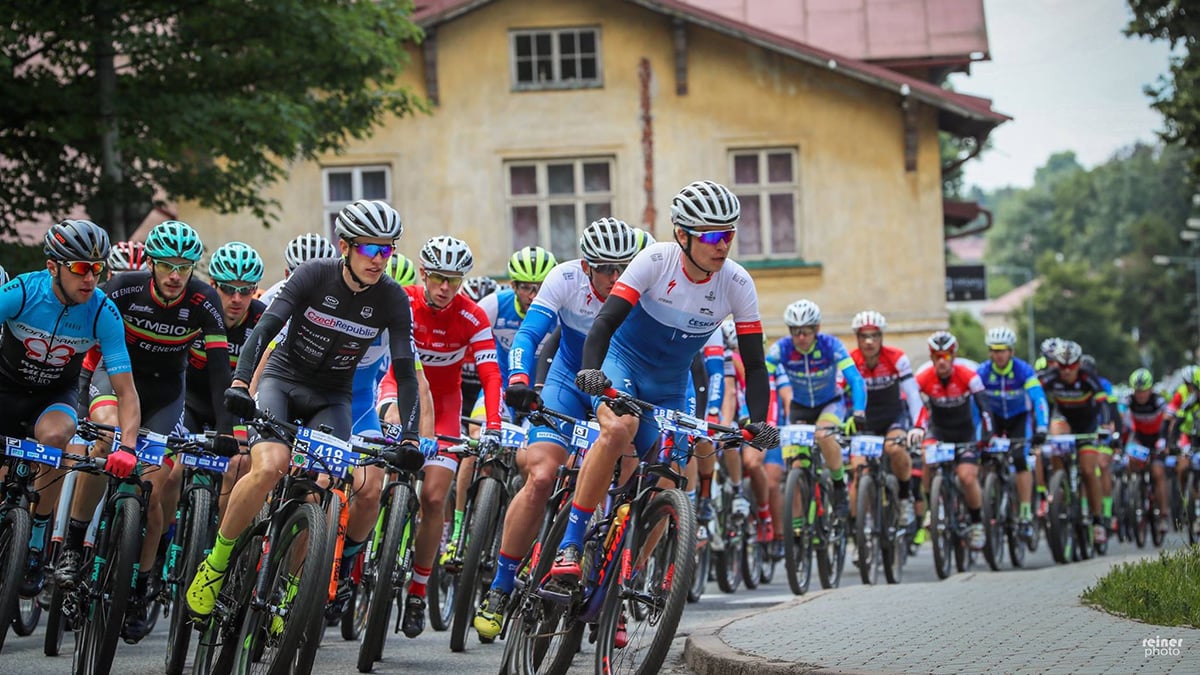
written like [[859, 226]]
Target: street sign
[[965, 282]]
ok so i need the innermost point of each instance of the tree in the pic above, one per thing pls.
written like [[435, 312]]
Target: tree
[[1176, 96], [971, 336], [107, 104]]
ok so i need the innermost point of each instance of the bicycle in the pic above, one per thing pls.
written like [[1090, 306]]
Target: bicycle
[[1191, 498], [1001, 504], [1067, 531], [1142, 499], [879, 536], [950, 519], [811, 526]]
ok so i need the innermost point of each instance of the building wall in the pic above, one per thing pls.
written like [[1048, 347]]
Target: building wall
[[869, 233]]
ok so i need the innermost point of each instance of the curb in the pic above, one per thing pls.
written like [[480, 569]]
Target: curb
[[705, 653]]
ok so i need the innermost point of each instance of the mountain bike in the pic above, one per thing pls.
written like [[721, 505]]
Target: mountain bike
[[879, 536], [1067, 529], [811, 526], [950, 520], [1001, 504]]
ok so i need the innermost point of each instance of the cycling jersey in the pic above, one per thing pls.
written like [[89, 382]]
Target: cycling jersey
[[330, 329], [199, 398], [714, 369], [812, 376], [947, 408], [1147, 419], [884, 381], [504, 316], [45, 341], [1082, 404], [1011, 390], [271, 293]]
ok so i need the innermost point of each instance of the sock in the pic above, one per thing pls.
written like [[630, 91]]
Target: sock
[[691, 496], [458, 518], [1106, 504], [764, 512], [139, 588], [420, 576], [76, 532], [349, 550], [1026, 511], [506, 573], [218, 558], [976, 515], [838, 475], [905, 489], [1041, 489], [576, 526], [37, 536], [705, 486]]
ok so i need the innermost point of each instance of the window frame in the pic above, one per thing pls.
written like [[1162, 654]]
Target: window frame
[[331, 208], [556, 82], [543, 200], [763, 191]]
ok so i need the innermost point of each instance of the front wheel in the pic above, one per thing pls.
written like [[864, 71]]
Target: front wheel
[[14, 555], [195, 533], [1016, 546], [1059, 532], [662, 557], [866, 533], [797, 532], [700, 578], [993, 521], [478, 563], [940, 524], [382, 578], [118, 546], [894, 542]]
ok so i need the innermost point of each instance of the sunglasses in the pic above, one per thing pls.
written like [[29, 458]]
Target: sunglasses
[[806, 332], [164, 267], [608, 269], [872, 335], [80, 268], [439, 279], [527, 287], [231, 289], [941, 356], [372, 250], [711, 238], [1073, 366]]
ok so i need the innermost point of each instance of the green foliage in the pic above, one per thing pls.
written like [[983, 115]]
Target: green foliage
[[971, 335], [19, 258], [1160, 591], [1177, 95], [209, 101]]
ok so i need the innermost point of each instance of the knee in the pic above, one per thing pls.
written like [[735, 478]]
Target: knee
[[431, 502]]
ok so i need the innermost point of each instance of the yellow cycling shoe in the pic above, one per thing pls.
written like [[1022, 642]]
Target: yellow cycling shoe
[[206, 586]]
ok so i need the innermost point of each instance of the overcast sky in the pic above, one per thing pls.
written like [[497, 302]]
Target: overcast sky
[[1069, 78]]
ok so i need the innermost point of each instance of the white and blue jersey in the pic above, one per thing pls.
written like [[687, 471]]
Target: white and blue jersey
[[1012, 391], [672, 318], [566, 299], [812, 376]]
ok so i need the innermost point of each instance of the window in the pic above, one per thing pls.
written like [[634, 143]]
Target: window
[[551, 201], [561, 58], [766, 183], [346, 184]]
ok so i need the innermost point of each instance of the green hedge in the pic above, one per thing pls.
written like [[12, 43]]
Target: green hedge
[[1163, 591], [19, 258]]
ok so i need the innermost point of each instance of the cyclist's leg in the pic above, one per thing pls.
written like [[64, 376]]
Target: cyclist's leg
[[439, 471], [1104, 458], [830, 417], [773, 467]]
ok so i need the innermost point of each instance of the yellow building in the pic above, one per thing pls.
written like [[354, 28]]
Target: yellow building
[[547, 114]]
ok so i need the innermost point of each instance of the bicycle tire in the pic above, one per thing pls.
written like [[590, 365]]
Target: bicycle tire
[[14, 558], [28, 616], [1138, 500], [797, 535], [311, 641], [219, 638], [993, 521], [700, 578], [1016, 547], [197, 530], [679, 539], [356, 614], [866, 531], [56, 624], [963, 555], [385, 583], [753, 554], [483, 513], [312, 589], [940, 536], [893, 542], [120, 536], [539, 621], [443, 587], [1059, 533], [729, 559]]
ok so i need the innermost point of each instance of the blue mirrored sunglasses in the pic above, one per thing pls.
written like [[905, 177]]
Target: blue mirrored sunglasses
[[372, 250], [711, 238]]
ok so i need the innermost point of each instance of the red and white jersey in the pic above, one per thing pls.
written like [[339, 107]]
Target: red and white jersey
[[885, 380], [948, 403]]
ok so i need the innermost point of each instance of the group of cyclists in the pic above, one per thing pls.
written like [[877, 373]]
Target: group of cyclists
[[358, 339]]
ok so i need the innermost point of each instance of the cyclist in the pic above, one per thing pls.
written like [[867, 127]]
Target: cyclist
[[299, 250], [164, 309], [333, 309], [1012, 388], [128, 256], [1080, 407], [570, 297], [51, 318], [893, 400], [810, 361], [448, 328], [476, 288], [658, 316], [948, 389], [1146, 416]]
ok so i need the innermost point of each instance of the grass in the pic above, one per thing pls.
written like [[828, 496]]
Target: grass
[[1163, 591]]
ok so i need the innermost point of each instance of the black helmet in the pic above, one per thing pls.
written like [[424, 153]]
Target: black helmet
[[76, 240]]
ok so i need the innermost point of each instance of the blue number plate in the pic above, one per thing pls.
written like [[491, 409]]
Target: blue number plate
[[1138, 451], [323, 453], [866, 446], [1170, 461], [1059, 444], [797, 434], [585, 435], [151, 448], [939, 453], [217, 464], [31, 451], [513, 436]]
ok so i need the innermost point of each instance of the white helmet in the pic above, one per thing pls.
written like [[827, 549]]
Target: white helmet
[[705, 203], [447, 254], [371, 218], [802, 313], [307, 247], [868, 319], [608, 240], [1001, 336]]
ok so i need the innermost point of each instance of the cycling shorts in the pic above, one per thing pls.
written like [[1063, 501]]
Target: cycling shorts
[[24, 407], [829, 412], [672, 395], [311, 405]]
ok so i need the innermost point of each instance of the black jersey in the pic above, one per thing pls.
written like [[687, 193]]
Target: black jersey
[[1082, 403], [199, 394]]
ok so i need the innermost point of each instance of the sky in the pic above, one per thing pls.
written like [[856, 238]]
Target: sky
[[1069, 78]]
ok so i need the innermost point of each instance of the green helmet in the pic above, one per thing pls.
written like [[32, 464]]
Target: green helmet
[[174, 239], [1141, 380], [531, 264], [236, 261], [643, 238], [402, 270]]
